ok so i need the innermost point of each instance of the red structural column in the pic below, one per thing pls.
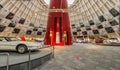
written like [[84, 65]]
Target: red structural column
[[58, 25]]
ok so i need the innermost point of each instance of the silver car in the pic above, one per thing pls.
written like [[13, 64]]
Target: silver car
[[111, 41], [14, 44]]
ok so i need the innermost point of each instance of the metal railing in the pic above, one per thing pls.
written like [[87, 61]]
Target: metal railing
[[29, 61], [7, 61], [44, 46], [29, 56], [53, 51], [52, 48]]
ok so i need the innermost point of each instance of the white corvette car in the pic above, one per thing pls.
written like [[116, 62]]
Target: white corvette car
[[14, 44]]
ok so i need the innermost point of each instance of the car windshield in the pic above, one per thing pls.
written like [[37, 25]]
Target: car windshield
[[12, 39]]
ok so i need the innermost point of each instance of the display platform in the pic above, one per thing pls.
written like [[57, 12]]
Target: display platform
[[21, 61]]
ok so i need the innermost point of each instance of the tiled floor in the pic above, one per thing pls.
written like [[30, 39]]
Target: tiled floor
[[84, 57]]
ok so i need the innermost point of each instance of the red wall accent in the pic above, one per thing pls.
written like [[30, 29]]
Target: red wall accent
[[58, 22]]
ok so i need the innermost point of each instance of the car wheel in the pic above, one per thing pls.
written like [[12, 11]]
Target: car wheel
[[21, 49]]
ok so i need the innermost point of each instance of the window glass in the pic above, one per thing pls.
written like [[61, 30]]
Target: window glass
[[101, 18], [1, 6], [81, 24], [22, 21], [84, 33], [88, 28], [95, 31], [35, 29], [99, 26], [12, 24], [2, 28], [39, 33], [91, 22], [114, 12], [109, 30], [114, 22], [12, 39], [28, 32], [10, 16], [74, 33], [16, 30]]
